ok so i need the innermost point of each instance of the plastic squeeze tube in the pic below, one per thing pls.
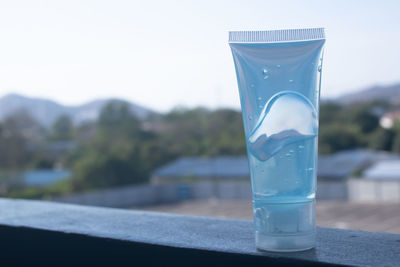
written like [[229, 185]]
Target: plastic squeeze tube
[[279, 74]]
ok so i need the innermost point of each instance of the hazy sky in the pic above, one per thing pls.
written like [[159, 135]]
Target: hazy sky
[[167, 53]]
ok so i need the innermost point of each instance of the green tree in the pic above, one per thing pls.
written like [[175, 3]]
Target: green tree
[[329, 112], [105, 170], [62, 128], [113, 156], [396, 138], [116, 118], [364, 118], [381, 139], [203, 132], [351, 126], [184, 131], [336, 137], [20, 134], [224, 133]]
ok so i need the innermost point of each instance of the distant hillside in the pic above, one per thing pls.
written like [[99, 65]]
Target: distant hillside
[[387, 93], [46, 111]]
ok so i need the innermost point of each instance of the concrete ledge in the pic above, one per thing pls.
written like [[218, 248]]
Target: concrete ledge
[[42, 233]]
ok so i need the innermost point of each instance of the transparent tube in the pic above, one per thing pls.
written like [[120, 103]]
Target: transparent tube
[[279, 75]]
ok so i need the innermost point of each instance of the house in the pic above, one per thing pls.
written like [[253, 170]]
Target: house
[[204, 169], [345, 164], [384, 170], [339, 166], [387, 120], [37, 178]]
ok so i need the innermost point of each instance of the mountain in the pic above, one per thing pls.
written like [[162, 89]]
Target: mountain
[[46, 111], [389, 93]]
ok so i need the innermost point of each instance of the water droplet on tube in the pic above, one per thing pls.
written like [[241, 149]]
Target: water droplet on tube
[[265, 72]]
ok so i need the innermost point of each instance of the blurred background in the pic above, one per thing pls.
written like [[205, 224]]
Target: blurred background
[[134, 104]]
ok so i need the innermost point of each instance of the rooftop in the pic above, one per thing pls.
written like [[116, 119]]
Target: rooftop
[[384, 170], [206, 167], [340, 165], [343, 164]]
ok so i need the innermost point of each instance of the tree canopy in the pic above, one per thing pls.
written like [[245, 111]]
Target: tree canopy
[[119, 148]]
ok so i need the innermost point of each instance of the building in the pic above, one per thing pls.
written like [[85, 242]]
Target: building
[[228, 177], [384, 170], [345, 164], [204, 169], [37, 178], [387, 120], [341, 165]]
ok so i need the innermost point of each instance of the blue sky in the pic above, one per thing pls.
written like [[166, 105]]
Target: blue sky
[[163, 54]]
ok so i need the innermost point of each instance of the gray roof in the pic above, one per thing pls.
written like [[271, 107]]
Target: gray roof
[[384, 170], [223, 167], [45, 177], [337, 166], [343, 164]]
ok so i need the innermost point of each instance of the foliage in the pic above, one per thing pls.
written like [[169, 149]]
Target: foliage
[[329, 112], [18, 133], [382, 139], [336, 137], [101, 171], [113, 155], [352, 126], [203, 132], [62, 128], [120, 149], [60, 188], [364, 118], [396, 138]]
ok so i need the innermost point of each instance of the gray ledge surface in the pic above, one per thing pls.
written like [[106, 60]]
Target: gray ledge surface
[[334, 246]]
